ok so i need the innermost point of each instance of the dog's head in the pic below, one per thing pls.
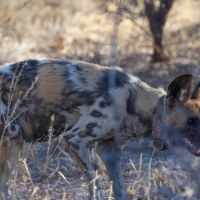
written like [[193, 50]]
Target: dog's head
[[177, 119]]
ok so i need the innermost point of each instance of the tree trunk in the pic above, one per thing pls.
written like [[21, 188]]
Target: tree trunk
[[157, 18]]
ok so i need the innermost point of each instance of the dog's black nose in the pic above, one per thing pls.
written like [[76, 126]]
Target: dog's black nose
[[158, 144]]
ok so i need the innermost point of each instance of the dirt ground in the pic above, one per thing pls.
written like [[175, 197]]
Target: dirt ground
[[83, 30]]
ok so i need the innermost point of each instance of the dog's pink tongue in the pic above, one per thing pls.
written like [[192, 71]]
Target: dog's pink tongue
[[194, 148], [186, 141]]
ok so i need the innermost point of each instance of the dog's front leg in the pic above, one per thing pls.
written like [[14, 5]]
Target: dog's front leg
[[9, 152], [110, 155], [81, 155]]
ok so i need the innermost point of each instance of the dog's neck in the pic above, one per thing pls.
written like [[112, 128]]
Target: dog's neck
[[159, 143], [158, 117], [144, 103]]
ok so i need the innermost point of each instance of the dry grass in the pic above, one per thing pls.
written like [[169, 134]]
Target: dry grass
[[148, 174], [82, 30]]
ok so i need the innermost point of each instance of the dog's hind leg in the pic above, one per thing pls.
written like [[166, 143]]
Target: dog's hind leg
[[81, 155], [110, 155]]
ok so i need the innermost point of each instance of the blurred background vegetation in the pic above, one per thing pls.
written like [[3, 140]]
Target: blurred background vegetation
[[83, 30]]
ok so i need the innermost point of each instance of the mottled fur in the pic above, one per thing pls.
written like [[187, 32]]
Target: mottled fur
[[90, 103]]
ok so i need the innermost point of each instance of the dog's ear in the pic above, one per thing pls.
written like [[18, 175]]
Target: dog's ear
[[196, 93], [180, 89]]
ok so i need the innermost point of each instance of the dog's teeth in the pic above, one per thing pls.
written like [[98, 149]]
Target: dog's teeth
[[198, 151], [186, 141]]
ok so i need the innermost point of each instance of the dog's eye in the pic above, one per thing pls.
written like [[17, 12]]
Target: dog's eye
[[193, 122]]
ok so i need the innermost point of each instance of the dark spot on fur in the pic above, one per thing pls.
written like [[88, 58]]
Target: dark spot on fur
[[196, 92], [69, 128], [91, 125], [2, 118], [74, 130], [108, 99], [147, 134], [79, 98], [102, 104], [78, 68], [93, 135], [130, 104], [71, 135], [87, 97], [33, 63], [87, 133], [74, 146], [13, 128], [96, 113], [146, 120], [83, 80], [131, 109], [28, 64], [15, 123], [106, 102], [80, 133], [28, 71], [120, 78], [70, 110], [26, 118], [41, 133], [17, 136], [34, 101], [38, 101], [90, 133], [58, 129]]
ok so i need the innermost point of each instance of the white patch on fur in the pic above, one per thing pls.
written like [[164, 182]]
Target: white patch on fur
[[183, 94], [3, 109], [43, 61], [133, 79], [6, 69], [74, 76], [15, 132]]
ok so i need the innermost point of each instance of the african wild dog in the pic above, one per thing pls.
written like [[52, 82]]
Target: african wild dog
[[89, 107]]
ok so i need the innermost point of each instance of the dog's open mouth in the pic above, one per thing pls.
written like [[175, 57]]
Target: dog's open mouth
[[193, 148]]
